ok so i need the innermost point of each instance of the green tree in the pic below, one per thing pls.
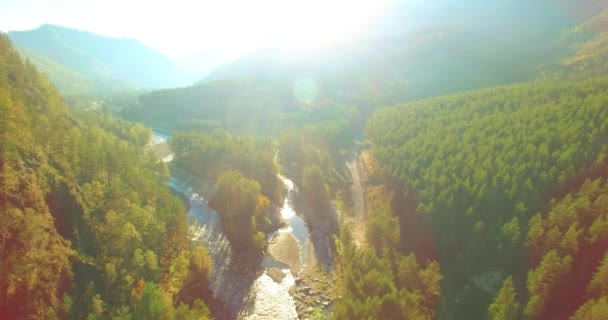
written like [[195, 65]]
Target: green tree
[[153, 305], [236, 199], [505, 305], [594, 309], [543, 280], [82, 213]]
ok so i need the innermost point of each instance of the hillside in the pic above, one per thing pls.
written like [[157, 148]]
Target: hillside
[[89, 229], [70, 82], [588, 44], [456, 47], [475, 167], [373, 72], [106, 63], [238, 105], [504, 187], [390, 68]]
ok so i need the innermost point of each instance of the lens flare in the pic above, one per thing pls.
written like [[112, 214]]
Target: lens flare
[[305, 90]]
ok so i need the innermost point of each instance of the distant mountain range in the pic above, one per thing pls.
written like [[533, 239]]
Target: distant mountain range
[[483, 44], [406, 34], [410, 50], [80, 62]]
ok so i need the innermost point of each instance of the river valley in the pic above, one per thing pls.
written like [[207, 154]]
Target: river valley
[[293, 281]]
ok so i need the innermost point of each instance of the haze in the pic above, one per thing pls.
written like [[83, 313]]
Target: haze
[[184, 28]]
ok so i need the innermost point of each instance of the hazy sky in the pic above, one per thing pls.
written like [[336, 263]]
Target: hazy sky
[[180, 28]]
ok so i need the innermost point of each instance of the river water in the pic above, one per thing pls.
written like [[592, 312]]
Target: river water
[[247, 293], [158, 137]]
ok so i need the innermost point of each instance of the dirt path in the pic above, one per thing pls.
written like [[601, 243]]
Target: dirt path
[[356, 190], [357, 221]]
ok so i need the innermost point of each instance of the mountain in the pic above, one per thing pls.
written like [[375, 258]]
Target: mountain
[[235, 104], [476, 171], [391, 68], [491, 29], [409, 51], [404, 33], [201, 63], [368, 73], [94, 62], [588, 46], [506, 186], [70, 82]]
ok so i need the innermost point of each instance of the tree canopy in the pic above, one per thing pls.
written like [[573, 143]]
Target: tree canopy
[[88, 229], [480, 164]]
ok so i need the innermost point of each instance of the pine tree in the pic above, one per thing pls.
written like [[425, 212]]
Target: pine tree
[[505, 306]]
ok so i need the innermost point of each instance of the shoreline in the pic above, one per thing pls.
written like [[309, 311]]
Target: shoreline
[[284, 249], [314, 291]]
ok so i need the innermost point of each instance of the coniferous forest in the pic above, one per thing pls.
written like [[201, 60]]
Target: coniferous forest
[[88, 230], [486, 167]]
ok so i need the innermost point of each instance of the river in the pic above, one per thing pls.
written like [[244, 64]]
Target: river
[[250, 293], [158, 137]]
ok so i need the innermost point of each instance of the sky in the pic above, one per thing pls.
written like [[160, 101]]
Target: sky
[[184, 28]]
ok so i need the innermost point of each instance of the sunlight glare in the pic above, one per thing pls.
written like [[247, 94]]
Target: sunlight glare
[[314, 24], [305, 90]]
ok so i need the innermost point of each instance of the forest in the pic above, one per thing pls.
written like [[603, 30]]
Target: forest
[[379, 280], [484, 165], [503, 186], [247, 189], [245, 169], [89, 230], [244, 96]]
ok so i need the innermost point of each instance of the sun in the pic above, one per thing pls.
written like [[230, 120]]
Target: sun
[[303, 26]]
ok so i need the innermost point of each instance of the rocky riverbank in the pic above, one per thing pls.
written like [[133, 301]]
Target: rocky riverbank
[[314, 287], [314, 291], [284, 249]]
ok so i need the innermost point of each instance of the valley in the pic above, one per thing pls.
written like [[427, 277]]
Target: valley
[[444, 161]]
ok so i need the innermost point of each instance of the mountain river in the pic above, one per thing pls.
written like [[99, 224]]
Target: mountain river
[[248, 293]]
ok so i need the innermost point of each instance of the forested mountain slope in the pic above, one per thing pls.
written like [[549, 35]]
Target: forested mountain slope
[[108, 63], [65, 80], [478, 166], [88, 228], [586, 45], [236, 105], [366, 74], [567, 253], [408, 51], [461, 45]]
